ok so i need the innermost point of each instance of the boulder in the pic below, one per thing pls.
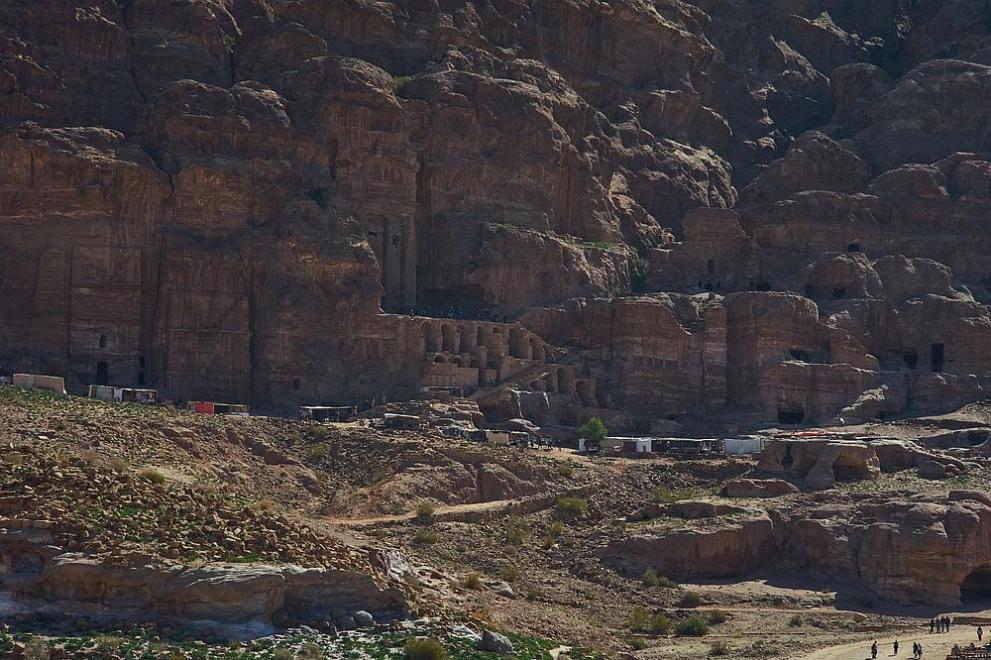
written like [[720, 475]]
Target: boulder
[[820, 462], [686, 510], [932, 470], [895, 455], [363, 619], [695, 509], [501, 588], [975, 437], [494, 642], [346, 623], [757, 488]]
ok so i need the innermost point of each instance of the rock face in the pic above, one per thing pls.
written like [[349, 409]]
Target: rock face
[[820, 463], [925, 550], [229, 597], [757, 488], [219, 198], [721, 550]]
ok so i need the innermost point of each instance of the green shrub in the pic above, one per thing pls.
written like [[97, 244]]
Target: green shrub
[[36, 649], [796, 621], [594, 431], [425, 537], [719, 648], [425, 513], [571, 508], [717, 616], [317, 454], [283, 654], [642, 621], [517, 530], [509, 573], [263, 505], [553, 533], [639, 620], [424, 649], [660, 625], [665, 495], [398, 84], [107, 642], [690, 599], [636, 643], [652, 578], [309, 651], [566, 470], [473, 582], [320, 432], [693, 626], [152, 475]]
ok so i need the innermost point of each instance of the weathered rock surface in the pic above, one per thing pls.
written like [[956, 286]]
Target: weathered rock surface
[[231, 597], [722, 549], [218, 199], [821, 463], [758, 488], [930, 550], [495, 643]]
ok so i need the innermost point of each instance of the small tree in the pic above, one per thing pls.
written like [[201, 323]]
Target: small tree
[[693, 626], [594, 431]]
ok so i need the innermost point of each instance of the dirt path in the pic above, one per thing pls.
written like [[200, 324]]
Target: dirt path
[[439, 512], [935, 646]]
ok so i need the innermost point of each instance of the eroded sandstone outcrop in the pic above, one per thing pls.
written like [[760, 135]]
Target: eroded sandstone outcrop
[[231, 600], [723, 549], [821, 462], [931, 550]]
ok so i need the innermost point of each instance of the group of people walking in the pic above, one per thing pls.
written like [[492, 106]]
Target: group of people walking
[[941, 624], [937, 625], [916, 649]]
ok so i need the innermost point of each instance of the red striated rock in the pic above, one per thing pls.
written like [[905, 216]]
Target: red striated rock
[[949, 94], [219, 198]]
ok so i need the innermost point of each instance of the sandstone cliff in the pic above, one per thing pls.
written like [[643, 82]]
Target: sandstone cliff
[[219, 197]]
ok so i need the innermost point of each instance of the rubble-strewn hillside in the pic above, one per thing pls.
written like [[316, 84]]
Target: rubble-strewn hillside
[[218, 197], [143, 532]]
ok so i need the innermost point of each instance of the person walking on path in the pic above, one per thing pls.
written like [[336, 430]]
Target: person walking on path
[[980, 633], [932, 626], [896, 648], [874, 649]]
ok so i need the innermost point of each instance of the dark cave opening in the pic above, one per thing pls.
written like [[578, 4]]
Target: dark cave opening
[[977, 585]]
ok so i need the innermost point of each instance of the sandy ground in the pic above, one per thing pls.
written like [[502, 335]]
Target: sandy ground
[[935, 646]]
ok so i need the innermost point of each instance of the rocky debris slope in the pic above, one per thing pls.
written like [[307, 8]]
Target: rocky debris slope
[[107, 510], [269, 464], [85, 539]]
